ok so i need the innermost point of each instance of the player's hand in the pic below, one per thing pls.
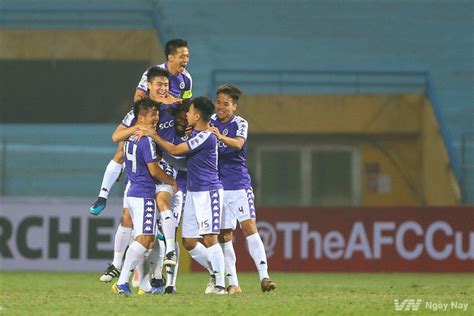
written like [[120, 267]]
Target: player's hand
[[188, 130], [147, 131], [138, 135], [169, 99], [216, 132]]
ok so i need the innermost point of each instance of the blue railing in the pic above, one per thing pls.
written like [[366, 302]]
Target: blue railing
[[335, 81], [74, 14]]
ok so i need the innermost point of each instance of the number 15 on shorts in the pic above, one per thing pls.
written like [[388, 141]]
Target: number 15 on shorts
[[205, 224]]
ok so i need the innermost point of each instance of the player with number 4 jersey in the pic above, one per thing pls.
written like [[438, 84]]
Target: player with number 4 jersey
[[231, 131]]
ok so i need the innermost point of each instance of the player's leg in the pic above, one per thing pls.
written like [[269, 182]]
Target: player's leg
[[208, 215], [167, 223], [172, 271], [156, 263], [122, 239], [112, 173], [228, 225], [247, 220], [171, 274], [143, 214], [225, 241], [190, 237]]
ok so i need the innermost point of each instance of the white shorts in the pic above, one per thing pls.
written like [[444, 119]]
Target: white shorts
[[177, 206], [239, 206], [164, 188], [143, 214], [172, 172], [202, 213]]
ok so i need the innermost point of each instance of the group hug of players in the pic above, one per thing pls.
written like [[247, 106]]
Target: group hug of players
[[185, 160]]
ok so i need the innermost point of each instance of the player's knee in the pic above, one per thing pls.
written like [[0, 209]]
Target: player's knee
[[225, 235], [163, 200], [189, 244], [249, 227], [146, 241], [209, 240], [126, 221]]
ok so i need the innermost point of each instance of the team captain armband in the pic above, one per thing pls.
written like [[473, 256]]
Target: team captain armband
[[187, 94]]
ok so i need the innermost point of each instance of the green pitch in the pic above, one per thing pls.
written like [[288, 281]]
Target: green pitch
[[42, 293]]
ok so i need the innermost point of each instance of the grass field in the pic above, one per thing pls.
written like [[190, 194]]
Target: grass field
[[48, 293]]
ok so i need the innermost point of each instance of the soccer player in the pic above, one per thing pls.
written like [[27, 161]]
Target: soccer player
[[142, 169], [231, 131], [202, 209], [177, 59], [177, 55], [158, 84]]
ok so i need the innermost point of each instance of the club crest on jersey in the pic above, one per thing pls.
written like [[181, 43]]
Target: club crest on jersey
[[181, 85], [225, 132]]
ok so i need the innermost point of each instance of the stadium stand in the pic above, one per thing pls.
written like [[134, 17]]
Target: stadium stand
[[323, 38]]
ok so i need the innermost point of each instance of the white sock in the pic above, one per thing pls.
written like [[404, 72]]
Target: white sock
[[169, 229], [134, 254], [172, 271], [199, 254], [257, 252], [216, 257], [122, 239], [144, 273], [111, 175], [229, 260], [156, 259]]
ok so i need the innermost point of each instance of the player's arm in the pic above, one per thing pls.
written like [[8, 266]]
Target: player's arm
[[139, 94], [160, 175], [175, 150], [122, 133], [142, 88], [233, 142]]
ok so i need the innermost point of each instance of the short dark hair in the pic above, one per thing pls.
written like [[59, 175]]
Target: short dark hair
[[205, 107], [182, 107], [154, 72], [144, 105], [231, 90], [172, 45]]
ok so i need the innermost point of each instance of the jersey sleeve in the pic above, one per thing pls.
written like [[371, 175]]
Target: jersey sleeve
[[142, 85], [196, 143], [242, 128], [188, 89], [129, 119], [148, 149]]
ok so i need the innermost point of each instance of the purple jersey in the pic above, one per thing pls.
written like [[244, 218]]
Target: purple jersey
[[202, 162], [137, 155], [233, 170], [165, 128], [129, 119], [182, 176], [181, 85]]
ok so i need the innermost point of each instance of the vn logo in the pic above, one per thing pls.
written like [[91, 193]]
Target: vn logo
[[409, 304]]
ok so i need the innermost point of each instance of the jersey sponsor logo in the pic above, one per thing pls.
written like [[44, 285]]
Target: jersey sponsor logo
[[166, 125], [220, 144], [182, 85]]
